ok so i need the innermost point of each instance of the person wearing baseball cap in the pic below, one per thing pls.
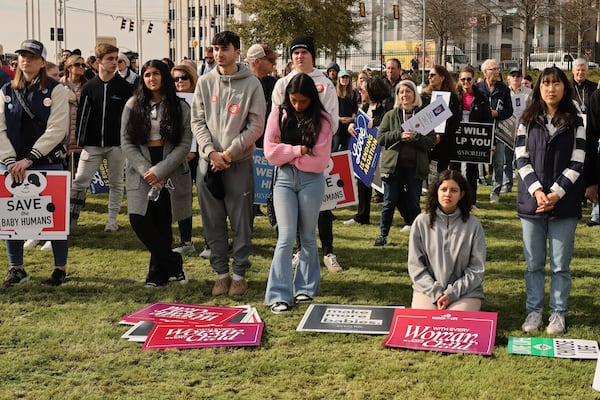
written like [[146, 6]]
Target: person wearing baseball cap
[[34, 47], [34, 118]]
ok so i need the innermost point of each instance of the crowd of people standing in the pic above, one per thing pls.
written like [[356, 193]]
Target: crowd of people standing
[[158, 145]]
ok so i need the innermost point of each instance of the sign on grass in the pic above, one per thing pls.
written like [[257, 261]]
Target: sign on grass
[[337, 318], [443, 330], [173, 312], [553, 347], [184, 336]]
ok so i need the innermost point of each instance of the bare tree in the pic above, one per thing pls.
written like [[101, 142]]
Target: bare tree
[[580, 18], [524, 12]]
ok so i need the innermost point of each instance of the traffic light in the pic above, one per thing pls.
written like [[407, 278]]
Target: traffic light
[[361, 8], [150, 26], [52, 34], [123, 23], [396, 11], [168, 27], [131, 25], [60, 34], [212, 22]]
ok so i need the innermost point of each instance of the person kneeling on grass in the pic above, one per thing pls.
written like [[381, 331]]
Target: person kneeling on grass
[[446, 249]]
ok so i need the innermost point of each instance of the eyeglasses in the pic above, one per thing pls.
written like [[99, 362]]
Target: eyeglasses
[[121, 61], [493, 69], [432, 75], [181, 78], [466, 79], [78, 65]]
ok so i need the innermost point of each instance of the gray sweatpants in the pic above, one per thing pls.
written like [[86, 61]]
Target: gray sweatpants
[[237, 206]]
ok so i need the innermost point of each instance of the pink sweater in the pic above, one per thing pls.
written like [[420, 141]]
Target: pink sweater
[[281, 153]]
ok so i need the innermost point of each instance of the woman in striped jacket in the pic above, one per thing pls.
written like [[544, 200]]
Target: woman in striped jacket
[[550, 151]]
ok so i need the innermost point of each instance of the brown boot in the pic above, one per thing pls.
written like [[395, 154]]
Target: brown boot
[[221, 286], [238, 288]]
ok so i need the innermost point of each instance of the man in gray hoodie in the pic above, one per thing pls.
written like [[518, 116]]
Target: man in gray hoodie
[[228, 116]]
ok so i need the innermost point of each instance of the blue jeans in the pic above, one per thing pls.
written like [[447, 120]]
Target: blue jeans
[[509, 159], [402, 190], [560, 235], [498, 167], [14, 248], [595, 212], [297, 198]]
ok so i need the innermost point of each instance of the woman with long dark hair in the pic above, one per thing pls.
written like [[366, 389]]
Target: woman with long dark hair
[[156, 138], [550, 151], [298, 142], [446, 250]]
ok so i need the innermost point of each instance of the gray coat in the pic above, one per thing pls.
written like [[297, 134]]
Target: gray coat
[[174, 165]]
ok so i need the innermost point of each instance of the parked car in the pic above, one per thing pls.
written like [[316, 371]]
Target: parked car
[[375, 65]]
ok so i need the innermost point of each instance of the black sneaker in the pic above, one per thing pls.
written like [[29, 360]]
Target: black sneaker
[[380, 241], [58, 278], [182, 277], [15, 277]]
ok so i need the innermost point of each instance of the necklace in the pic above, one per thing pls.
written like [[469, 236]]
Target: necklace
[[299, 120]]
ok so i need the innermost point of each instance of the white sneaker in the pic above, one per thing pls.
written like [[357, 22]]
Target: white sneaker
[[205, 253], [405, 228], [295, 259], [556, 325], [111, 226], [185, 248], [47, 246], [30, 244], [332, 264], [494, 198], [351, 222], [532, 323]]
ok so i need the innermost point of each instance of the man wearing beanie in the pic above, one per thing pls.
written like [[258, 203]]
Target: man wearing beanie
[[302, 50]]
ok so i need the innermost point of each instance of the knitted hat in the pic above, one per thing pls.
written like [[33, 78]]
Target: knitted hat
[[304, 42]]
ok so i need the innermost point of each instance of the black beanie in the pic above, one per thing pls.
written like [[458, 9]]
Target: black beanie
[[304, 42]]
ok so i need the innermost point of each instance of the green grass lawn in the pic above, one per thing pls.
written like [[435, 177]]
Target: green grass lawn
[[64, 343]]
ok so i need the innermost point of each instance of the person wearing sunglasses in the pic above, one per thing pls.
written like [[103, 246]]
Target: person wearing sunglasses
[[475, 108], [185, 79], [123, 68]]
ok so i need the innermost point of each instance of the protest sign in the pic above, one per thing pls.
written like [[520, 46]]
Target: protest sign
[[165, 335], [173, 312], [37, 208], [100, 182], [506, 131], [553, 347], [443, 330], [365, 150], [429, 117], [340, 187], [263, 176], [473, 143], [338, 318]]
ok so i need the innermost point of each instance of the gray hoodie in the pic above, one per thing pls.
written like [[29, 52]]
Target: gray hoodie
[[448, 258], [228, 113]]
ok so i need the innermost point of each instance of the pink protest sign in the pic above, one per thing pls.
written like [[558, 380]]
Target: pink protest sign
[[187, 336], [173, 312], [443, 330]]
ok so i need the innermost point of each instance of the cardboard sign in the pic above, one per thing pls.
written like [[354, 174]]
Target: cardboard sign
[[340, 187], [100, 182], [443, 330], [338, 318], [365, 150], [553, 347], [173, 312], [183, 336], [37, 208], [263, 176], [473, 143]]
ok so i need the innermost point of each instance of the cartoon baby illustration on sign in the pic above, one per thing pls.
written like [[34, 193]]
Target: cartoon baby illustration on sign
[[27, 211]]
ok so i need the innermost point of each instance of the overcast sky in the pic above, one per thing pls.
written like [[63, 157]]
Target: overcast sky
[[80, 25]]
